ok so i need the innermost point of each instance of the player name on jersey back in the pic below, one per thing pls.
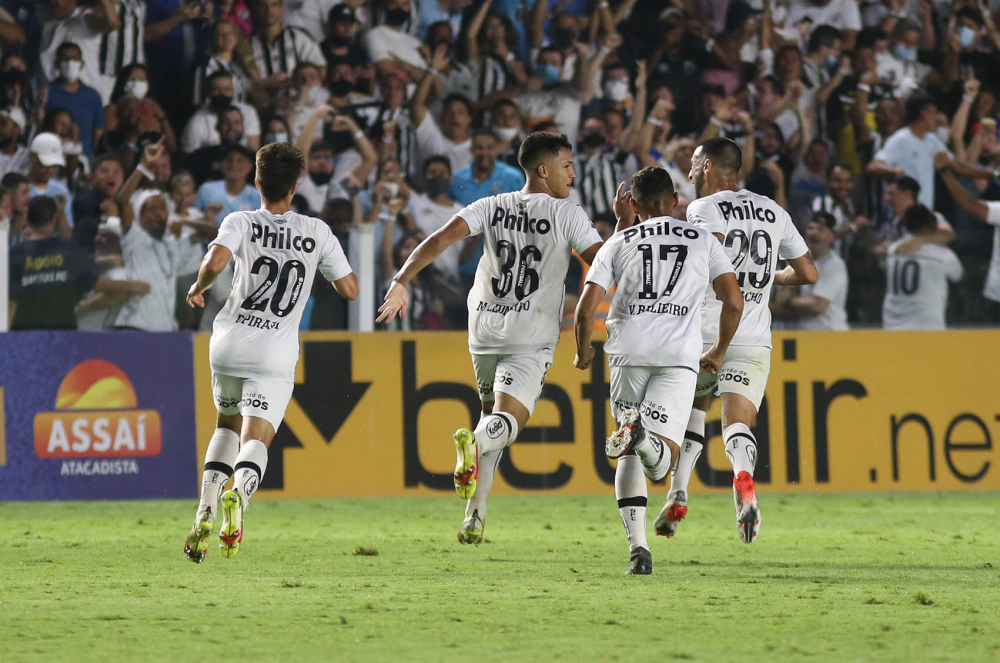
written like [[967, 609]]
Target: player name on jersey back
[[515, 304], [660, 269], [277, 256], [757, 233]]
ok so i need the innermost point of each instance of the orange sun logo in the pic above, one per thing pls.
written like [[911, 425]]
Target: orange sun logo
[[96, 385]]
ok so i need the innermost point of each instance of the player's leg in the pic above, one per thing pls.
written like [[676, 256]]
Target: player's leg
[[219, 461], [475, 507], [263, 407], [741, 385]]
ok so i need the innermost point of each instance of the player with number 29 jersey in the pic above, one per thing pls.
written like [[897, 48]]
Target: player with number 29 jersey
[[516, 303], [276, 258]]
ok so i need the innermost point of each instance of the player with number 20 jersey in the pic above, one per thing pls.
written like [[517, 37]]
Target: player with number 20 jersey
[[255, 339]]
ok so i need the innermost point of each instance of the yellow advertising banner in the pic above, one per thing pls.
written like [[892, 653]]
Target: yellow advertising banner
[[373, 414]]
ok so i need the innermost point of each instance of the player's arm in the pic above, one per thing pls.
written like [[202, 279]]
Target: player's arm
[[397, 300], [583, 325], [727, 289], [800, 271], [588, 255], [962, 196], [214, 262], [347, 287], [808, 305]]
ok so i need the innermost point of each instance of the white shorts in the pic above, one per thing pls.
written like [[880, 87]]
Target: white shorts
[[520, 376], [744, 371], [252, 397], [663, 396]]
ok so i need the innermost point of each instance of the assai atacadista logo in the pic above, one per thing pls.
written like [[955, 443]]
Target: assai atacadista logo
[[97, 417]]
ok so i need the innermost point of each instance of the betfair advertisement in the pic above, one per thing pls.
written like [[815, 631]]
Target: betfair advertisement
[[373, 415]]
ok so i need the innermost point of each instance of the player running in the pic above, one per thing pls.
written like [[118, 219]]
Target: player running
[[255, 339], [661, 269], [515, 305], [756, 232]]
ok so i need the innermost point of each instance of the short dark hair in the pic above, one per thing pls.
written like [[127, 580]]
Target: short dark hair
[[908, 184], [279, 166], [41, 211], [916, 103], [918, 219], [724, 153], [540, 146], [824, 218], [459, 98], [823, 35], [777, 87], [217, 74], [649, 185], [834, 165], [13, 180], [500, 103], [485, 131], [969, 13], [904, 25], [437, 158], [65, 46]]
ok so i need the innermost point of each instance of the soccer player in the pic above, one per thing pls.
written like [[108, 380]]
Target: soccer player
[[756, 232], [515, 305], [661, 269], [255, 338]]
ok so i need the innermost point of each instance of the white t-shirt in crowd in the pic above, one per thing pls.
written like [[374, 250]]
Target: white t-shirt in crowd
[[76, 30], [105, 318], [430, 142], [429, 217], [153, 261], [316, 195], [202, 130], [916, 293], [992, 288], [189, 250], [516, 302], [831, 286], [758, 232], [841, 14], [562, 106], [660, 270], [19, 162], [916, 157], [383, 42], [277, 255]]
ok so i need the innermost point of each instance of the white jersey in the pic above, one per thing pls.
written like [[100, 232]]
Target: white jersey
[[256, 335], [758, 232], [660, 269], [916, 292], [516, 303]]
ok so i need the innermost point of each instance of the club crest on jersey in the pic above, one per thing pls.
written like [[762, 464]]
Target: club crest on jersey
[[281, 238], [520, 222], [746, 211]]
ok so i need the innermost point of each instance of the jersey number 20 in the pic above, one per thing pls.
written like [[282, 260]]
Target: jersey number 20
[[282, 276]]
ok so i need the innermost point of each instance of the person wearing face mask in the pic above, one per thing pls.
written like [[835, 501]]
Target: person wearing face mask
[[505, 122], [123, 46], [67, 91], [564, 32], [14, 157], [841, 14], [490, 44], [206, 163], [342, 36], [68, 22], [900, 66], [433, 209], [225, 54], [277, 131], [386, 42], [333, 172], [134, 111], [601, 167], [310, 95], [554, 101], [278, 48], [202, 129]]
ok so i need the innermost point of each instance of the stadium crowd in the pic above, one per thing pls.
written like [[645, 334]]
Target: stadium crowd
[[872, 122]]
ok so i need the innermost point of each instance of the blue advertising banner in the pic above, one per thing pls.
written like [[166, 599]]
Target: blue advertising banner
[[96, 416]]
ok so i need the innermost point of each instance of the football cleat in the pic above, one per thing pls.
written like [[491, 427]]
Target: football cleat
[[747, 511], [196, 546], [640, 563], [625, 438], [671, 515], [467, 467], [231, 532], [472, 529]]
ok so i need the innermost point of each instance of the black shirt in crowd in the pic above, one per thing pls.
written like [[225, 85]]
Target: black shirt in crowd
[[48, 278]]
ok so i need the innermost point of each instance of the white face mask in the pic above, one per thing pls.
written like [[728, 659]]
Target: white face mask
[[276, 138], [70, 70], [943, 134], [506, 134], [779, 13], [137, 89], [318, 95], [617, 90]]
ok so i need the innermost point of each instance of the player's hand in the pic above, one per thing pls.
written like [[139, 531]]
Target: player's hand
[[623, 205], [195, 298], [711, 361], [583, 362], [397, 301], [138, 288]]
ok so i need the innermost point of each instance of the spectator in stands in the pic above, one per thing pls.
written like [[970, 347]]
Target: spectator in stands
[[232, 193], [435, 208], [505, 122], [839, 202], [278, 49], [388, 42], [276, 131], [83, 27], [919, 272], [206, 163], [821, 305], [342, 35], [203, 128], [14, 157], [601, 165], [19, 190], [46, 159], [187, 232], [224, 54], [134, 111], [94, 204], [484, 176], [148, 257], [330, 172], [123, 46], [82, 101], [452, 138]]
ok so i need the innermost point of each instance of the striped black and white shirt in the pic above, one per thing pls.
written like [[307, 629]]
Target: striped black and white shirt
[[375, 114], [124, 46], [241, 79], [291, 48], [599, 175], [492, 75]]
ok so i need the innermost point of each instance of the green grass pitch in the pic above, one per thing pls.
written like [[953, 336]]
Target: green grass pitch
[[831, 578]]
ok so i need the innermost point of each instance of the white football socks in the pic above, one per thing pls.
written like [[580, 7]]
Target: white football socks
[[655, 455], [741, 448], [219, 460], [495, 432], [691, 448], [631, 492], [250, 467], [488, 464]]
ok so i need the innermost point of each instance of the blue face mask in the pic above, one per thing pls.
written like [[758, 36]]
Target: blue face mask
[[903, 53], [550, 73], [966, 36], [831, 63]]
